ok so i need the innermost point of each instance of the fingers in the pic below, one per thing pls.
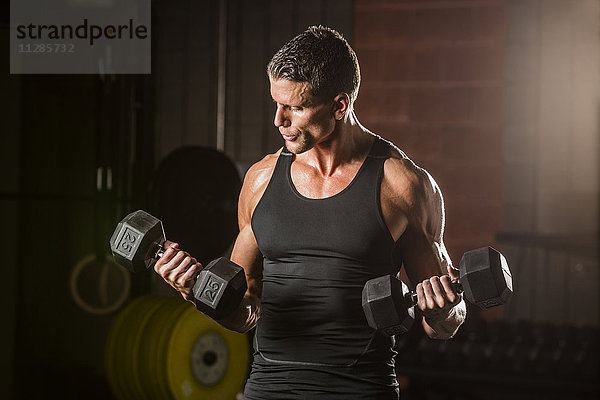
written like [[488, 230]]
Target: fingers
[[165, 263], [184, 275], [447, 290], [189, 277], [167, 256], [425, 296], [168, 244], [177, 268], [436, 293]]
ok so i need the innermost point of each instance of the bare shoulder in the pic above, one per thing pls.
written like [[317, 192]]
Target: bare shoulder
[[260, 172], [403, 179], [255, 183]]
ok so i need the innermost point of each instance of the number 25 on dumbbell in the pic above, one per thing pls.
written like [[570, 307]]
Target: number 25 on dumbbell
[[485, 280], [137, 243]]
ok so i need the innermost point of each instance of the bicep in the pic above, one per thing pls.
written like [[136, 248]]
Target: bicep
[[247, 255], [245, 251], [422, 256], [422, 244]]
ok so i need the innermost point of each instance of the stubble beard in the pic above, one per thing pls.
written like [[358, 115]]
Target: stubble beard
[[302, 144]]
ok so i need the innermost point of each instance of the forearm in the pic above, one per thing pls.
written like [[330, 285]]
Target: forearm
[[244, 317], [444, 324]]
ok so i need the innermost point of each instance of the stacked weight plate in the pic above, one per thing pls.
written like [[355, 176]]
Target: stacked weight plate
[[164, 349]]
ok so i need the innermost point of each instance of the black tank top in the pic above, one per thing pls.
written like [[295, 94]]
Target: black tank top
[[318, 255]]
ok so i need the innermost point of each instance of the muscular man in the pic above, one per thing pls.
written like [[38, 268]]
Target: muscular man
[[335, 207]]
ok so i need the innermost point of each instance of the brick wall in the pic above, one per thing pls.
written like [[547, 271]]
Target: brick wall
[[432, 83], [551, 157]]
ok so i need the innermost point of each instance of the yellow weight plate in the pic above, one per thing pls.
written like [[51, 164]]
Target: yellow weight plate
[[115, 352], [125, 339], [123, 348], [163, 342], [138, 386], [136, 329], [148, 363], [146, 355], [205, 360], [111, 354]]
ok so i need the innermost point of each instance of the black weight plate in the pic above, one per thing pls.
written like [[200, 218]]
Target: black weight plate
[[195, 194]]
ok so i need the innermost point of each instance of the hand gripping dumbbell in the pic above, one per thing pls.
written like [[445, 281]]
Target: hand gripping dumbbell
[[137, 243], [484, 279]]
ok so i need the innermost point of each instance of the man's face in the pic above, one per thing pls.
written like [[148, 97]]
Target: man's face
[[302, 119]]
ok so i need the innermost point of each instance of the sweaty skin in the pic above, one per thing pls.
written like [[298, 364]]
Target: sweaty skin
[[329, 146]]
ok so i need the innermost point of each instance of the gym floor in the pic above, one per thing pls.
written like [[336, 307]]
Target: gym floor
[[497, 99]]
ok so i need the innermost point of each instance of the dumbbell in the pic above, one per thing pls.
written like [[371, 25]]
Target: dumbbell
[[138, 242], [485, 280]]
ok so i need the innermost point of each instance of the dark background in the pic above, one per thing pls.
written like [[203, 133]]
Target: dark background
[[497, 99]]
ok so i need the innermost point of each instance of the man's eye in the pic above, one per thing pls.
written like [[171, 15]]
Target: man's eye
[[296, 108]]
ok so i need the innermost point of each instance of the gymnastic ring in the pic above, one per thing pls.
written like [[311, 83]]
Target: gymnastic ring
[[81, 303]]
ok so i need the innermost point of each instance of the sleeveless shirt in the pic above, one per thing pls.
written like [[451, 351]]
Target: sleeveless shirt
[[312, 339]]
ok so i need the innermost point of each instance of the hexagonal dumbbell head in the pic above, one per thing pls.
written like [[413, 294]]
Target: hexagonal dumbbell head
[[219, 288], [386, 303], [136, 241], [485, 277]]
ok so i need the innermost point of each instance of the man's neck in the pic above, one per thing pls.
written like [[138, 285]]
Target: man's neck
[[350, 142]]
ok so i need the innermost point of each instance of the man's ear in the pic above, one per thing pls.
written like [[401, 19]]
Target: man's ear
[[341, 105]]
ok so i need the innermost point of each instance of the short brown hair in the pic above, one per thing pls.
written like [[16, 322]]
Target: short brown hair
[[321, 57]]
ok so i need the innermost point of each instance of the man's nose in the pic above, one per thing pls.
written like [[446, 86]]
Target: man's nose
[[280, 118]]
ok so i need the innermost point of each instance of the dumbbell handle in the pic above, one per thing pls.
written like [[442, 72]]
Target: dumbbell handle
[[161, 251], [411, 297]]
